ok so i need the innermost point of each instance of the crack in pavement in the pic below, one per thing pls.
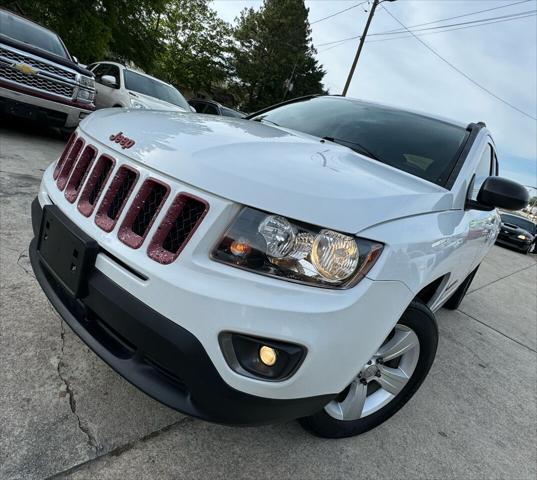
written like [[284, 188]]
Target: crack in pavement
[[501, 278], [118, 451], [92, 441], [23, 255], [497, 331]]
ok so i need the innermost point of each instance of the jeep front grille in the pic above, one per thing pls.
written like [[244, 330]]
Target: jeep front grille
[[83, 174]]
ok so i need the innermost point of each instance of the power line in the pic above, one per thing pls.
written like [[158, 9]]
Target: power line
[[458, 70], [512, 16], [341, 11], [465, 15], [447, 30], [470, 22]]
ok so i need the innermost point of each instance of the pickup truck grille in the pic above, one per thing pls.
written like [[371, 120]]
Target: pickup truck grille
[[46, 78], [82, 169], [18, 58], [36, 81]]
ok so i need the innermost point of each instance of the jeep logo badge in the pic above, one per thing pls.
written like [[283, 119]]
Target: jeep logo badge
[[122, 140]]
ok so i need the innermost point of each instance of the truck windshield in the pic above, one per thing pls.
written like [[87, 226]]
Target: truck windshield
[[153, 88], [28, 32], [519, 222], [419, 145]]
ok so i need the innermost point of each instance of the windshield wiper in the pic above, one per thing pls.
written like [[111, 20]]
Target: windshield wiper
[[356, 147], [263, 120]]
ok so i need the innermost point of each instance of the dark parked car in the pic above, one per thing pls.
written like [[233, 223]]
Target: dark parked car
[[214, 108], [517, 232]]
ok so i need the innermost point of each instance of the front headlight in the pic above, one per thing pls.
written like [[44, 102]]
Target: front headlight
[[86, 89], [137, 104], [87, 82], [275, 246], [522, 237]]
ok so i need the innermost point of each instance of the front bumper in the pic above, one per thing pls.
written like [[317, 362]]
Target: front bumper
[[45, 110], [522, 245], [155, 354]]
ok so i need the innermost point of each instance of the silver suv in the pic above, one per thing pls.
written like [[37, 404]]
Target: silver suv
[[119, 86]]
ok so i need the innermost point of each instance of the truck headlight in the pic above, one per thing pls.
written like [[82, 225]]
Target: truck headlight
[[276, 246]]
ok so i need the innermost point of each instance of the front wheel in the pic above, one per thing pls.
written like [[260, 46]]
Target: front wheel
[[386, 382]]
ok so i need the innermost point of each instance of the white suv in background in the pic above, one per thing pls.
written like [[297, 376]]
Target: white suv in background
[[119, 86]]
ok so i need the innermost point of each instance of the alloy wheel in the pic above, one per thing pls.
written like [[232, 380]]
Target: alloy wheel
[[381, 379]]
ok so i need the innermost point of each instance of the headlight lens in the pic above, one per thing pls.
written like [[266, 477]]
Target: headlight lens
[[86, 89], [273, 245], [137, 104], [521, 237]]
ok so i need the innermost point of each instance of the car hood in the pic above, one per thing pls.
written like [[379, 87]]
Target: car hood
[[515, 229], [153, 103], [270, 168]]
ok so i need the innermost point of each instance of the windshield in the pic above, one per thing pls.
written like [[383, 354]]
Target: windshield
[[422, 146], [153, 88], [25, 31], [519, 222]]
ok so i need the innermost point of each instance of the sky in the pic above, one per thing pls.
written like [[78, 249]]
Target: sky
[[502, 57]]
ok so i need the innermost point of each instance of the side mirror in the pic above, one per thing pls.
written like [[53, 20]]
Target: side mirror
[[109, 80], [75, 59], [502, 193]]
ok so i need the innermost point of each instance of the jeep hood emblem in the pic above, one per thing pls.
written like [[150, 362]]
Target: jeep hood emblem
[[124, 141]]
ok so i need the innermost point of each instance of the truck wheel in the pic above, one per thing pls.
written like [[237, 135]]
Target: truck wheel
[[386, 382], [456, 299]]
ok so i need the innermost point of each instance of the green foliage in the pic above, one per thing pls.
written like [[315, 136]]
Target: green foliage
[[197, 42], [273, 50], [185, 43], [101, 29]]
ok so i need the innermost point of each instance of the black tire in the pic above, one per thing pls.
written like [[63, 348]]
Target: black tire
[[420, 319], [457, 297]]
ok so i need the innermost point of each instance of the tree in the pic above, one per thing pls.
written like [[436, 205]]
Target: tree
[[126, 30], [197, 41], [273, 56]]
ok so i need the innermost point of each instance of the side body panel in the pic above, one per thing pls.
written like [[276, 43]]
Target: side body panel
[[450, 244]]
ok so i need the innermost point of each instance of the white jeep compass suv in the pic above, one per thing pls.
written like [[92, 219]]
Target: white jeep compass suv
[[286, 266], [119, 86]]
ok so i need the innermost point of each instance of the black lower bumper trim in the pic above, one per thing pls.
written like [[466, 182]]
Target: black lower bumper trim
[[158, 356], [32, 112]]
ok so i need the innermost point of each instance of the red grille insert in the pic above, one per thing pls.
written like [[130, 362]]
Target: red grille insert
[[63, 156], [177, 227], [115, 199], [80, 172], [142, 213], [67, 165], [94, 186]]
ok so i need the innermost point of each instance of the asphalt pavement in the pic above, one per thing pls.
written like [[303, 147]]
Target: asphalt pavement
[[65, 414]]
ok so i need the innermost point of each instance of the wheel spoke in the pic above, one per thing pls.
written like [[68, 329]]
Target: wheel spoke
[[403, 341], [351, 408], [392, 379]]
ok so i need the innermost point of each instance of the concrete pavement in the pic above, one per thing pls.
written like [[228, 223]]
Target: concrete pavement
[[64, 413]]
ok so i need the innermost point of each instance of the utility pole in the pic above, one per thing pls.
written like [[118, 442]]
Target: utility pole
[[361, 44]]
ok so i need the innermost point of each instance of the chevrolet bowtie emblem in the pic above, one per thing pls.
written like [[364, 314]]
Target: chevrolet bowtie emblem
[[25, 68]]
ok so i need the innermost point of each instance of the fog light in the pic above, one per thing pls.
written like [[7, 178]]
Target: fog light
[[268, 355], [261, 358]]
